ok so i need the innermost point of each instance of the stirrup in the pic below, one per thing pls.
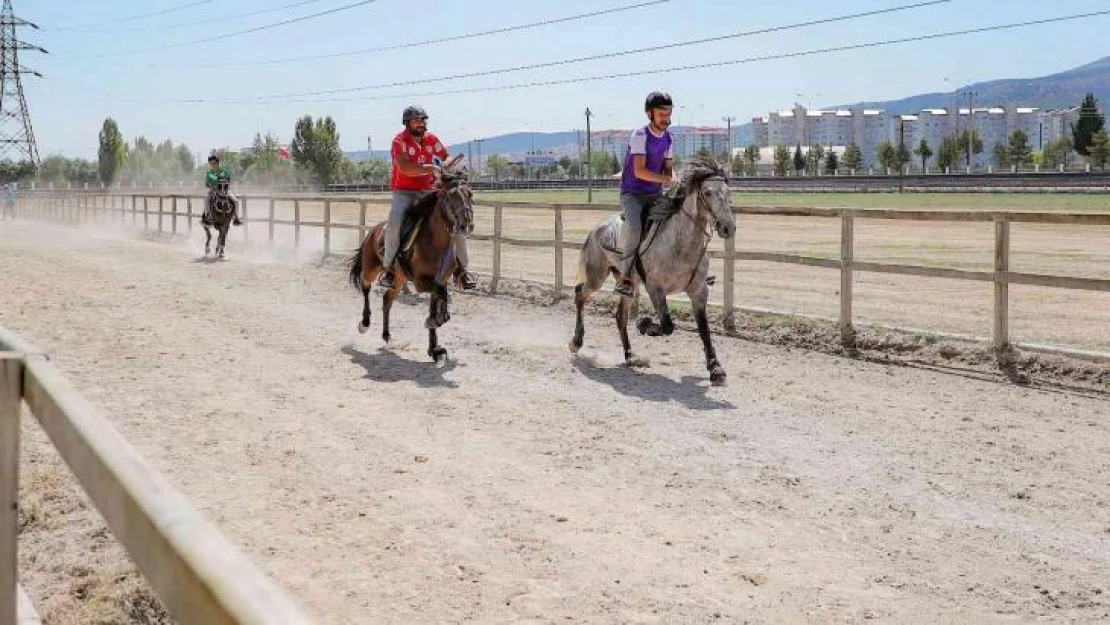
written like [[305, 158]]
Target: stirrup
[[624, 287], [387, 279], [466, 281]]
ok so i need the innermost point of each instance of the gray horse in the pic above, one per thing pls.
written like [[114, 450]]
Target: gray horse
[[672, 256]]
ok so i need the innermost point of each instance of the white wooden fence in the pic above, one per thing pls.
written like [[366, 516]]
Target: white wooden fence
[[150, 211], [199, 576]]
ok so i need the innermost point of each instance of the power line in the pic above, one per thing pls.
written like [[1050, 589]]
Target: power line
[[749, 60], [256, 29], [441, 40], [645, 72], [204, 21], [610, 55], [133, 18]]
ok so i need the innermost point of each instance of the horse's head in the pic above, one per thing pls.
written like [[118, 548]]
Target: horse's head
[[704, 183], [455, 197], [223, 187]]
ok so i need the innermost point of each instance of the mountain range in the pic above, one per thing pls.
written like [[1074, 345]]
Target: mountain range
[[1060, 90]]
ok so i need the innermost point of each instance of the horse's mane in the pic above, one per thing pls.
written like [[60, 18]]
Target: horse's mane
[[692, 173]]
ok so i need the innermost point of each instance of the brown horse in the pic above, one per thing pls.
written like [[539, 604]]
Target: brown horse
[[427, 256], [223, 211]]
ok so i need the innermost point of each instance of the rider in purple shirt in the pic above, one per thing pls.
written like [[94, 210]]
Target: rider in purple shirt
[[648, 165]]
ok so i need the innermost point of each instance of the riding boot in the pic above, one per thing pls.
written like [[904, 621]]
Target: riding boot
[[235, 221], [464, 279], [386, 280]]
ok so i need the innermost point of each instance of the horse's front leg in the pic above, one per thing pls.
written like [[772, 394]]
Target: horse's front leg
[[437, 352], [699, 297], [221, 244], [665, 326], [207, 241]]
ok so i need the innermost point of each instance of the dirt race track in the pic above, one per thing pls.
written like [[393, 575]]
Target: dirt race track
[[519, 483]]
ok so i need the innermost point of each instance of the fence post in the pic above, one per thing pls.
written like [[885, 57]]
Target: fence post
[[296, 224], [847, 234], [728, 319], [173, 214], [327, 228], [558, 250], [146, 213], [189, 213], [134, 209], [496, 249], [361, 221], [271, 222], [11, 396], [161, 207], [1001, 330]]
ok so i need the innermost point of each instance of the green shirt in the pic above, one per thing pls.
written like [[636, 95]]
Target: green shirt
[[212, 178]]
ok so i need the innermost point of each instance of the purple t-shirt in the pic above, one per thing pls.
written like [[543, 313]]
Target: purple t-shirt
[[655, 149]]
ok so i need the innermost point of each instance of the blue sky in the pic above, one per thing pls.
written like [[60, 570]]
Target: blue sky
[[94, 72]]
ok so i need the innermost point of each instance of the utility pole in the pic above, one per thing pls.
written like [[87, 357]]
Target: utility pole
[[728, 140], [589, 168], [16, 133], [970, 127], [470, 155], [901, 149], [480, 163], [369, 144]]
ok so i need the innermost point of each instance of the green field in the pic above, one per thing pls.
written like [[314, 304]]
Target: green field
[[985, 201]]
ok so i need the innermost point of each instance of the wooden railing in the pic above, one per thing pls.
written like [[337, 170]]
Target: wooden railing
[[199, 576], [129, 209]]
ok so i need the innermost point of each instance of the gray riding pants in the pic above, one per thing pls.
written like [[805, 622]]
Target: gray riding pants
[[633, 207]]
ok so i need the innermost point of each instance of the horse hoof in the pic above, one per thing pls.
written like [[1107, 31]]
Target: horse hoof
[[363, 328], [718, 377], [574, 346], [644, 325]]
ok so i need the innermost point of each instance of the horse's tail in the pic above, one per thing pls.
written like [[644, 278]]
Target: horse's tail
[[355, 263], [581, 276]]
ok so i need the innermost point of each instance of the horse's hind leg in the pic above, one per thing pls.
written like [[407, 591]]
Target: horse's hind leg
[[387, 304], [364, 323], [207, 241], [582, 294], [699, 295]]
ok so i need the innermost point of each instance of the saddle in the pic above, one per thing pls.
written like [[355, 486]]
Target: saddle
[[652, 217]]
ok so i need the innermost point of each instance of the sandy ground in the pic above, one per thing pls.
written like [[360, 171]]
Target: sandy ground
[[519, 483]]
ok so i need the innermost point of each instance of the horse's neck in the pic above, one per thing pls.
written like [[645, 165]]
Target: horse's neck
[[679, 230]]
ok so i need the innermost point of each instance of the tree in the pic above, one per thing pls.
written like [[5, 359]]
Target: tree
[[112, 151], [948, 156], [1100, 149], [924, 152], [1020, 153], [886, 155], [11, 171], [972, 138], [1090, 122], [736, 164], [902, 155], [782, 160], [832, 163], [1056, 153], [315, 148], [497, 164], [703, 152], [1001, 155], [751, 160], [853, 157], [374, 170], [799, 159], [814, 156]]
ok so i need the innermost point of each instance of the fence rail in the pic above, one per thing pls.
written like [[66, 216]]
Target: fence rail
[[200, 577], [117, 208]]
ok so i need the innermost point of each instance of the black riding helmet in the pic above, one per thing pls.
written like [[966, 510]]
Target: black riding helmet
[[657, 99], [213, 158], [411, 113]]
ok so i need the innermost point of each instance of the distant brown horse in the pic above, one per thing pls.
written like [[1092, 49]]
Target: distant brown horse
[[427, 256], [221, 215]]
